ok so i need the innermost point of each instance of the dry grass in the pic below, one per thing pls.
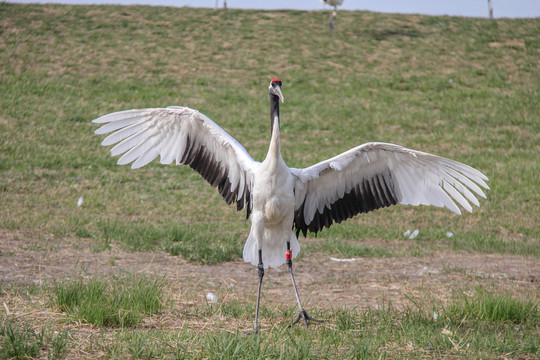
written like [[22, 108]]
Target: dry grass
[[328, 288]]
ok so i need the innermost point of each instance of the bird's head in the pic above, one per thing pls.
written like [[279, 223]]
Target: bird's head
[[275, 89]]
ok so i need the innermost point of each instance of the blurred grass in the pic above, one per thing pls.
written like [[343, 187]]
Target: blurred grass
[[22, 341], [493, 307], [464, 88]]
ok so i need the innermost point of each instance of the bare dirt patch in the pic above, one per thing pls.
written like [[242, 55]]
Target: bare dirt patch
[[323, 282]]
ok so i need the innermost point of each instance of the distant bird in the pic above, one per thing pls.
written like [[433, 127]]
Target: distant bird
[[284, 202], [335, 4], [332, 21]]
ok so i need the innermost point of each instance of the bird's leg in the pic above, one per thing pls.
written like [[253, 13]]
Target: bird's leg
[[332, 20], [303, 314], [261, 275]]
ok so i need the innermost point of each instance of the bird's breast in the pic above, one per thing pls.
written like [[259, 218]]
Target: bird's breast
[[278, 209], [273, 195]]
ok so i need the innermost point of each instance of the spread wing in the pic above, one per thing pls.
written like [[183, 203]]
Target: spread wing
[[377, 175], [185, 136]]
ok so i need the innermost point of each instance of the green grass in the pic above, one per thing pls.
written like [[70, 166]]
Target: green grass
[[21, 341], [448, 85], [120, 303], [494, 307], [385, 332], [469, 326], [204, 243]]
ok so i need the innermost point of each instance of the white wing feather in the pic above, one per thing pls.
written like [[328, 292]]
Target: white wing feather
[[417, 178], [179, 134]]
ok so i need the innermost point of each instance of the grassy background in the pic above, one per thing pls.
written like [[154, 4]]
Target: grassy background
[[463, 88]]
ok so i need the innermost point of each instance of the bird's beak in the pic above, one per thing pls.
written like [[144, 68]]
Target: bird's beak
[[279, 93]]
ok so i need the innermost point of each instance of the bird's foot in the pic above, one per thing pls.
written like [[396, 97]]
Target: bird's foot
[[306, 317]]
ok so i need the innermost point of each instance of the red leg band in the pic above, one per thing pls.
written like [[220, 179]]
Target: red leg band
[[288, 254]]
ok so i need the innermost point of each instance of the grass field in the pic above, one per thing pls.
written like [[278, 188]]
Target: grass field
[[463, 88]]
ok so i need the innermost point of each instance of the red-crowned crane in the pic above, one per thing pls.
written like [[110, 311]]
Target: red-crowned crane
[[281, 201]]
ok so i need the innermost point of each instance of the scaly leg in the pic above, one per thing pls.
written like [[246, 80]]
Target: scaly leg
[[261, 275], [303, 314]]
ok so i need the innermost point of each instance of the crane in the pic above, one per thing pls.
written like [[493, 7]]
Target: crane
[[284, 202], [335, 4]]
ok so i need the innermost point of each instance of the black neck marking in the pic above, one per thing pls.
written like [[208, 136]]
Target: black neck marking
[[274, 109]]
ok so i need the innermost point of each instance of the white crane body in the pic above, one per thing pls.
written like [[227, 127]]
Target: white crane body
[[273, 209], [283, 202]]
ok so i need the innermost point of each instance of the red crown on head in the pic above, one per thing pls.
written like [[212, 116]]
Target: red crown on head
[[276, 80]]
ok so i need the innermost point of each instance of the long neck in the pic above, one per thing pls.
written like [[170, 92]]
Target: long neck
[[274, 149]]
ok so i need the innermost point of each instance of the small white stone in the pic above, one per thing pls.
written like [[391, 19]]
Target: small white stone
[[211, 297], [80, 201], [449, 234], [343, 260], [414, 234]]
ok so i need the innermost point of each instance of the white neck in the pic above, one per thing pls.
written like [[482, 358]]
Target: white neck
[[274, 151]]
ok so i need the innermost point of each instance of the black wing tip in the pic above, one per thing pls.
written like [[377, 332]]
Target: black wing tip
[[370, 194], [203, 162]]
